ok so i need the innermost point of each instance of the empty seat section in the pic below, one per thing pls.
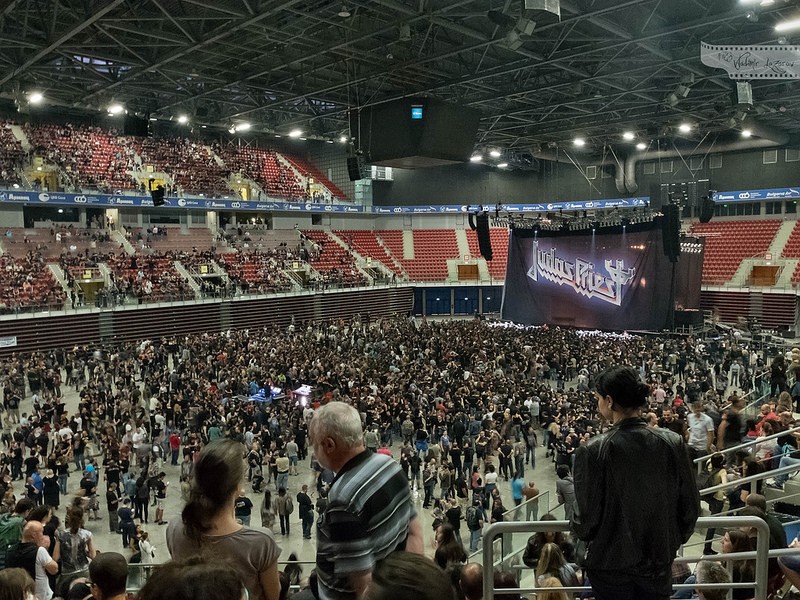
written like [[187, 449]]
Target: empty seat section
[[366, 243], [334, 263], [728, 243]]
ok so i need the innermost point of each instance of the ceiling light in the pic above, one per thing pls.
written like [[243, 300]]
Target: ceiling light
[[684, 128], [232, 129], [344, 12], [242, 127], [579, 142], [115, 109], [494, 153], [788, 25], [767, 2], [183, 119], [35, 97], [153, 118], [746, 133], [476, 158], [502, 165], [203, 126], [343, 139], [641, 146], [328, 141], [295, 133], [628, 135]]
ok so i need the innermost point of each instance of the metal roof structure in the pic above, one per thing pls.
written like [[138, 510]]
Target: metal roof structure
[[604, 67]]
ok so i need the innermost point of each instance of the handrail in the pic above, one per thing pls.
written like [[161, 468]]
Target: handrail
[[747, 444], [761, 554], [749, 479]]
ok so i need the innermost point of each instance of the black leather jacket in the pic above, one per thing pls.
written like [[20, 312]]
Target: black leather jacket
[[637, 499]]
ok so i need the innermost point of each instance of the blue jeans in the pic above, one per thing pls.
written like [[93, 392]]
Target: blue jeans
[[282, 481], [474, 540], [786, 461]]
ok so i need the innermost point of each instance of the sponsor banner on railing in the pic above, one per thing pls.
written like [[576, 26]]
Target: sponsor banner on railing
[[9, 341], [217, 204], [513, 208], [756, 195], [197, 203], [753, 62]]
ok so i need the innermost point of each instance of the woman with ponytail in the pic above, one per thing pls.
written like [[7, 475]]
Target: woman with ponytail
[[208, 526], [637, 499]]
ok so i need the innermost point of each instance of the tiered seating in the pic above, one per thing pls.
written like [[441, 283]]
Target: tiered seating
[[366, 244], [190, 164], [499, 239], [258, 237], [149, 278], [432, 248], [163, 239], [263, 167], [792, 250], [96, 159], [334, 263], [27, 282], [11, 155], [257, 272], [306, 169], [730, 242]]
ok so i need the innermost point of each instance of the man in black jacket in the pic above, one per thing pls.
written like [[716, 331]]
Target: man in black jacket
[[306, 510]]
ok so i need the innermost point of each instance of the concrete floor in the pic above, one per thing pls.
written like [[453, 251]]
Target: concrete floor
[[543, 475]]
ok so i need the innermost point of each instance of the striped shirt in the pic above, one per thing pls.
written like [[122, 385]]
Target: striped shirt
[[367, 518]]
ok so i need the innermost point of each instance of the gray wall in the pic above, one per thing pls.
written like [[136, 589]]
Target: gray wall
[[471, 183]]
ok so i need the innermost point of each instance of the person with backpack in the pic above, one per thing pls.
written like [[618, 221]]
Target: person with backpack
[[475, 520], [11, 526], [283, 507]]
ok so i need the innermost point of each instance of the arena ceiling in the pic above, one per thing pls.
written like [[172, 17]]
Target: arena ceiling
[[608, 65]]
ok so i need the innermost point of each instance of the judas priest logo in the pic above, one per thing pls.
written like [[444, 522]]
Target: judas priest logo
[[581, 276]]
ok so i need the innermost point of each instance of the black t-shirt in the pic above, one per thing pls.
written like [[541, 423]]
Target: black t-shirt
[[161, 488], [88, 486], [242, 507]]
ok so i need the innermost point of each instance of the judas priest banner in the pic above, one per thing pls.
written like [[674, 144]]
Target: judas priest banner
[[608, 280]]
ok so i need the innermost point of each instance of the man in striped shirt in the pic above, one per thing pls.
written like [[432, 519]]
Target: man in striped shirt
[[370, 513]]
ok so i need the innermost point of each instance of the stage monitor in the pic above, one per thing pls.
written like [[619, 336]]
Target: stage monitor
[[610, 280], [412, 133]]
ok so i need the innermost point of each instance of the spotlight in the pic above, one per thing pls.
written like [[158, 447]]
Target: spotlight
[[476, 158], [746, 133], [685, 128], [115, 109], [579, 142], [295, 133], [629, 136], [35, 98], [788, 25], [344, 12], [641, 146], [183, 119], [495, 153], [502, 165], [343, 139], [242, 127]]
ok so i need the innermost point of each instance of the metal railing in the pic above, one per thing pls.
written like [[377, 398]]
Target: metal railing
[[761, 553], [701, 460]]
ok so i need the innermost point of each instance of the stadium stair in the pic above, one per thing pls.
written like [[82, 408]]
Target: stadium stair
[[120, 239], [23, 140], [463, 243], [59, 276], [183, 272], [781, 238]]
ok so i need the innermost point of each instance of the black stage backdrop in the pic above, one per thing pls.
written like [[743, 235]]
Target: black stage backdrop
[[605, 280]]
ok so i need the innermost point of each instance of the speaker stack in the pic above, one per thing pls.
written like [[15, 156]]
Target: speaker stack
[[671, 231], [484, 239]]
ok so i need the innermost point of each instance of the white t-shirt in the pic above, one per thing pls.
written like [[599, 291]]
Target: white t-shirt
[[43, 591], [699, 427], [490, 478]]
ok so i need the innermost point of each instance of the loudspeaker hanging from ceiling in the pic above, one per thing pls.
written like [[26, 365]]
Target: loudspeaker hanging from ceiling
[[484, 239], [706, 208], [671, 231]]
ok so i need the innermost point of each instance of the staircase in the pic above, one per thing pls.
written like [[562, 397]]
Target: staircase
[[213, 155], [789, 267], [408, 245], [781, 237], [118, 237], [105, 272], [59, 276], [395, 262], [297, 285], [188, 277], [286, 163], [18, 133], [463, 244]]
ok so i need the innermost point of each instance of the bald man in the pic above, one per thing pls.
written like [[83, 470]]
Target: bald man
[[35, 559]]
